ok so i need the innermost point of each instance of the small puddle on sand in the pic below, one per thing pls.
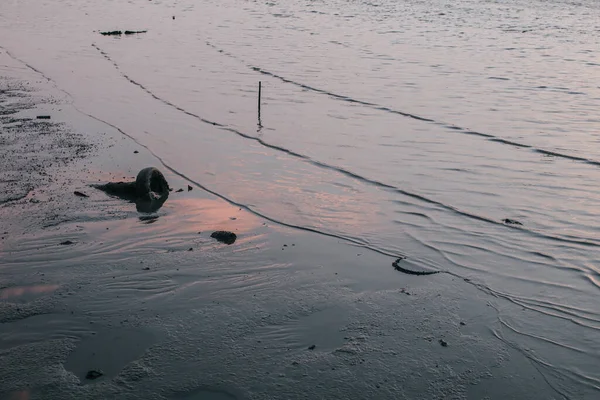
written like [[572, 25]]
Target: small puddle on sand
[[109, 351]]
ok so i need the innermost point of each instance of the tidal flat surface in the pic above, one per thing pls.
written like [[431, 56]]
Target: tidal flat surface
[[460, 135]]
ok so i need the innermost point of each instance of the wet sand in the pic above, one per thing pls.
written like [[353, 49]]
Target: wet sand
[[164, 311]]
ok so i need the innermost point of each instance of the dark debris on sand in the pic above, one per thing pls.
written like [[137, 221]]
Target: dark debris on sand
[[93, 374], [119, 33]]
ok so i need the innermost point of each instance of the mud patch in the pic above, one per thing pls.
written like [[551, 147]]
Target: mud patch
[[206, 393], [28, 147]]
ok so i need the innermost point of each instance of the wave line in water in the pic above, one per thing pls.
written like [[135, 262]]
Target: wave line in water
[[341, 170], [379, 107], [557, 371]]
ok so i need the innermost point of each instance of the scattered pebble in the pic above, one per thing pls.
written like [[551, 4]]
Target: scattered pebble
[[80, 194], [135, 152], [312, 347], [179, 191], [462, 323], [443, 343], [66, 243], [189, 188], [190, 249], [146, 269], [43, 117]]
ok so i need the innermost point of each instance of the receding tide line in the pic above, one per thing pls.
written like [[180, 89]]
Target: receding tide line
[[338, 169], [379, 107]]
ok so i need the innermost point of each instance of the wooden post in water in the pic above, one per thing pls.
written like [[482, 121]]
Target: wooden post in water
[[259, 96]]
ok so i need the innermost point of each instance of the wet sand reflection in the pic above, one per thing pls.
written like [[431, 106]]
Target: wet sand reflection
[[20, 291]]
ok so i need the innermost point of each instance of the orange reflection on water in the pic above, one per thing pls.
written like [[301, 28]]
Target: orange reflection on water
[[21, 290], [211, 215]]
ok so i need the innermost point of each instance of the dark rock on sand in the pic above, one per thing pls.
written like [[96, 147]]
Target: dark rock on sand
[[443, 343], [134, 32], [179, 191], [93, 374], [312, 347], [398, 267], [43, 117], [66, 243], [224, 236], [80, 194], [189, 188], [509, 221]]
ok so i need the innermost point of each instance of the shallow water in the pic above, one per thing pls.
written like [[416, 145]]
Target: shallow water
[[408, 128]]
